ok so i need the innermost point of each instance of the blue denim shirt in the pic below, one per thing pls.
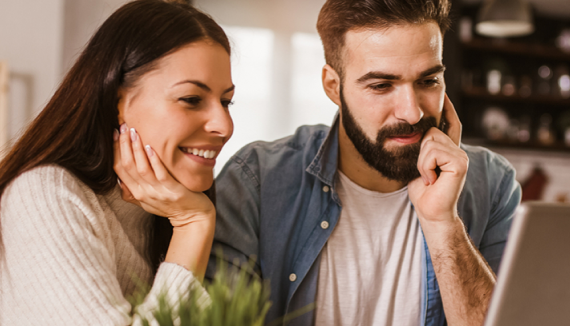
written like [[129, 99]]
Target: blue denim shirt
[[273, 197]]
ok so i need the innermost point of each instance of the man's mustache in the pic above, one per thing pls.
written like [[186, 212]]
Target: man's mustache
[[404, 129]]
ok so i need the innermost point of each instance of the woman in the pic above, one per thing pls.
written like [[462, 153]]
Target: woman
[[72, 249]]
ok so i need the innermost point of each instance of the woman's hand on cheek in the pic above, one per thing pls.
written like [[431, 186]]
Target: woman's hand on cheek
[[145, 182]]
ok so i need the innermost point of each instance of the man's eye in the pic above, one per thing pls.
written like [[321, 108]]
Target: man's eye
[[430, 82], [380, 87]]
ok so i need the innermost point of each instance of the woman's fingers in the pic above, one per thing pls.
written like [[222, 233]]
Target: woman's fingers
[[160, 171], [126, 194], [143, 168]]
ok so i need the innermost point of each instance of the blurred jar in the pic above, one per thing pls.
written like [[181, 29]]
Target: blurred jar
[[495, 123], [494, 81], [513, 130]]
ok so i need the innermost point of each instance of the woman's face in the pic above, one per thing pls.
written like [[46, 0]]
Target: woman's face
[[180, 109]]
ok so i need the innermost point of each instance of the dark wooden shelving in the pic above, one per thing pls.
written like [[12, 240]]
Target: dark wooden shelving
[[517, 48], [481, 93], [469, 61]]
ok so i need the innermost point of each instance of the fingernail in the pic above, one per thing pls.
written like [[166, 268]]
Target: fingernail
[[123, 128], [149, 150], [119, 181], [134, 136], [115, 135]]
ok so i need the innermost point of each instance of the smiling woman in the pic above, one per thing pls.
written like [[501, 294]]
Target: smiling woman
[[74, 241]]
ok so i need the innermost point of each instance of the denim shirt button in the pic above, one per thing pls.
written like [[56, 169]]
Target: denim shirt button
[[325, 225], [326, 188], [292, 277]]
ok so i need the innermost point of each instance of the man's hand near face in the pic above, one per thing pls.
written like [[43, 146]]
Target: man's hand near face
[[465, 279]]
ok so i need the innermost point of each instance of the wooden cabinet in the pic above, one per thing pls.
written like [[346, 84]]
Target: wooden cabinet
[[490, 80]]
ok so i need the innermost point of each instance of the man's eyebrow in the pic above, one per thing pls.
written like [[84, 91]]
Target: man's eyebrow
[[377, 75], [203, 86], [432, 71], [386, 76]]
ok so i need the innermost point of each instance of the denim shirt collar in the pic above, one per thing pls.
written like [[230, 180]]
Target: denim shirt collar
[[325, 163]]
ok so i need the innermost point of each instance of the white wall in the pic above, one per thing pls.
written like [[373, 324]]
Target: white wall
[[81, 20], [30, 41], [277, 59]]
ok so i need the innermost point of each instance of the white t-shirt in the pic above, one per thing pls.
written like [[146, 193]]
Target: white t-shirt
[[370, 270]]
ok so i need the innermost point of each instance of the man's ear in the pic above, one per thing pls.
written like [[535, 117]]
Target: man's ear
[[331, 84], [121, 105]]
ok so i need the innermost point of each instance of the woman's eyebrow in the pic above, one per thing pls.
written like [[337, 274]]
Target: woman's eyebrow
[[195, 82], [202, 85]]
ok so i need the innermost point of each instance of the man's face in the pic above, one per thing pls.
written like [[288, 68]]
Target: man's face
[[391, 94]]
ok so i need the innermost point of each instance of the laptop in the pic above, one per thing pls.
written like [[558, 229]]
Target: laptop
[[533, 283]]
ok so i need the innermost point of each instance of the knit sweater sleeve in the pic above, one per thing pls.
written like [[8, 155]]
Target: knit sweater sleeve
[[59, 265]]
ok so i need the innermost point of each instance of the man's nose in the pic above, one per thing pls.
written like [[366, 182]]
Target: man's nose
[[408, 106]]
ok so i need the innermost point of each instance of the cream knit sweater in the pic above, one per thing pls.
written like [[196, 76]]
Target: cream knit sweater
[[72, 257]]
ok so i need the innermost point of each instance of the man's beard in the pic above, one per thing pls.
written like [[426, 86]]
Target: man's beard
[[399, 164]]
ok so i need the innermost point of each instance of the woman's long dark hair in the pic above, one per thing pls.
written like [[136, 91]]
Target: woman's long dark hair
[[75, 129]]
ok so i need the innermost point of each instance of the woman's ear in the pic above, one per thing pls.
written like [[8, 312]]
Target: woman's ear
[[121, 106], [331, 84]]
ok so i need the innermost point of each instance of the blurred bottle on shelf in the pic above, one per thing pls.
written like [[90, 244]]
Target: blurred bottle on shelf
[[561, 82], [465, 29], [563, 40], [524, 129], [525, 89], [467, 80], [563, 123], [545, 131], [544, 77], [509, 87], [494, 81]]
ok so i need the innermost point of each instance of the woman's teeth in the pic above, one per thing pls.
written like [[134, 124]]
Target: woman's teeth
[[199, 152]]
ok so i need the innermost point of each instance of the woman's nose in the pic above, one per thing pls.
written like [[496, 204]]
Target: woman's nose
[[219, 121]]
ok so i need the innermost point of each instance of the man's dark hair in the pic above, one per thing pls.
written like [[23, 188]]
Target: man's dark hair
[[339, 16]]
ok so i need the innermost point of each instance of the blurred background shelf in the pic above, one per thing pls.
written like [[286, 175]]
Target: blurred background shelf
[[516, 47], [482, 93], [531, 145]]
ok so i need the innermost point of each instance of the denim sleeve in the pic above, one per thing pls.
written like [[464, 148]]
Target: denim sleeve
[[504, 202], [237, 216]]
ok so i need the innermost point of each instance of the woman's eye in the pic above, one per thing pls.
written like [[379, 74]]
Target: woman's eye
[[227, 103], [192, 100]]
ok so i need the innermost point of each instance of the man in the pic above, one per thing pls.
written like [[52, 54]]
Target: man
[[384, 218]]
